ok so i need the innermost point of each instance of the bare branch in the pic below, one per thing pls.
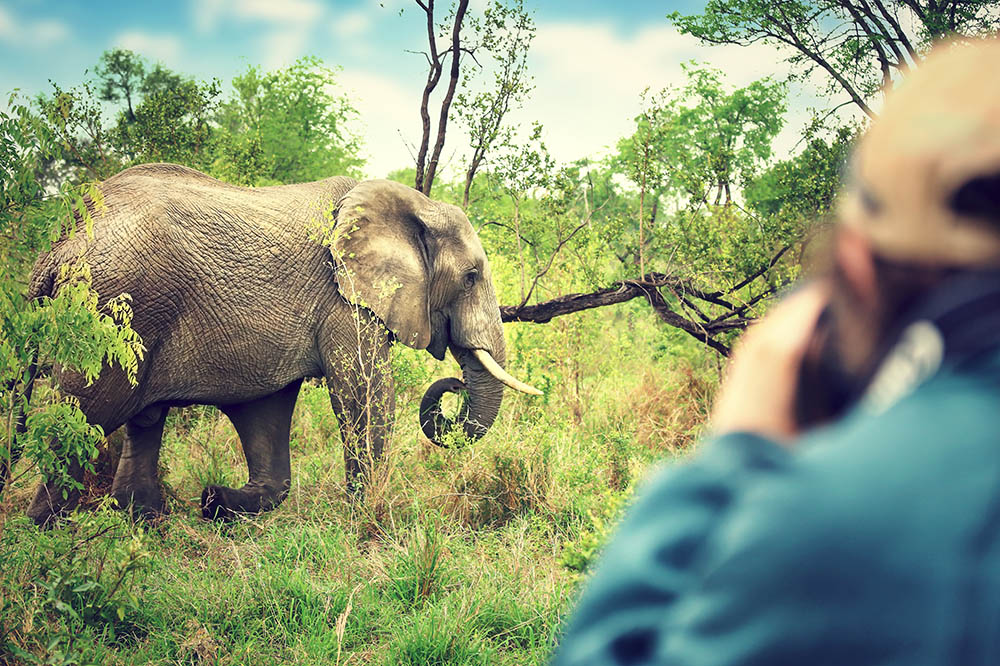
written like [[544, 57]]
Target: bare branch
[[463, 5], [433, 76], [552, 258]]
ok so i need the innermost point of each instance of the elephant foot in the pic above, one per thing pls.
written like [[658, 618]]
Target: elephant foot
[[49, 505], [144, 503], [220, 503]]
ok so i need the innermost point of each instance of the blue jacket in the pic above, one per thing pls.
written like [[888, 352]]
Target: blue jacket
[[874, 541]]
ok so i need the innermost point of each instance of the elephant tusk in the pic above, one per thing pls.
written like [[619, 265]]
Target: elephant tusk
[[494, 369]]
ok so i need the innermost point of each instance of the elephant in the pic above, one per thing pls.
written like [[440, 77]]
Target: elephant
[[237, 301]]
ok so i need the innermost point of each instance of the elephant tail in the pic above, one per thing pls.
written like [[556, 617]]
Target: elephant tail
[[19, 402]]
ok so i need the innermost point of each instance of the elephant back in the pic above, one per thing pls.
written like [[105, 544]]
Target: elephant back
[[176, 208]]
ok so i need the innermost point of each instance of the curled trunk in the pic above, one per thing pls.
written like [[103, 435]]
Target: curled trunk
[[482, 394]]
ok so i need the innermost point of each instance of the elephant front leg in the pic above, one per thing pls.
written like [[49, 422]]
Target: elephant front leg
[[361, 393], [263, 426], [365, 428]]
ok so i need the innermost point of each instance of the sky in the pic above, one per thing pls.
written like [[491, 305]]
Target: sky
[[590, 59]]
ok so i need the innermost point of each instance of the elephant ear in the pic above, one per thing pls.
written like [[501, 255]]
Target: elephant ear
[[381, 258]]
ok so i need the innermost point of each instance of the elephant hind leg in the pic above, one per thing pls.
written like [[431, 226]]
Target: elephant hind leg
[[51, 500], [136, 486], [263, 426]]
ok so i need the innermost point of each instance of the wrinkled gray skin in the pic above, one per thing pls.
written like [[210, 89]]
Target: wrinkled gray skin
[[236, 304]]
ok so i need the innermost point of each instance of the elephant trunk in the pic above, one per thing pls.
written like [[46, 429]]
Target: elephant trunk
[[482, 396]]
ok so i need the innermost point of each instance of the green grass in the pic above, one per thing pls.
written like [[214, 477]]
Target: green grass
[[468, 556]]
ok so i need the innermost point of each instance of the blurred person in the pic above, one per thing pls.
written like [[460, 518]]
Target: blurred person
[[847, 508]]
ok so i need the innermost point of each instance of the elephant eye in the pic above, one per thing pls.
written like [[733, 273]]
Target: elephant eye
[[470, 278]]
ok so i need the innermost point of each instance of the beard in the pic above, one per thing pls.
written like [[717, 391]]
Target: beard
[[864, 325], [857, 330]]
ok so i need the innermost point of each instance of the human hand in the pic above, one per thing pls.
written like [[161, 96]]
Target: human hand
[[758, 392]]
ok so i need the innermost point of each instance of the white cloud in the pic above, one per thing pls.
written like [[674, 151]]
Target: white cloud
[[281, 47], [351, 24], [34, 34], [387, 109], [588, 79], [156, 47], [288, 24], [208, 14], [283, 12]]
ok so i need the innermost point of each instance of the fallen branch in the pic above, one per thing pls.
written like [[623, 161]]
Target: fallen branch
[[706, 330]]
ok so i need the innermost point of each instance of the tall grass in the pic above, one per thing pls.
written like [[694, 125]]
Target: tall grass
[[460, 556]]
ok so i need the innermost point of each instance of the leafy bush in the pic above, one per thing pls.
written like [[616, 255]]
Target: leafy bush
[[77, 584], [71, 328], [578, 554]]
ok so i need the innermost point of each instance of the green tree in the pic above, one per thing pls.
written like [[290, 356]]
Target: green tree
[[167, 117], [694, 145], [72, 328], [802, 189], [709, 261], [505, 33], [121, 76], [173, 123], [861, 46], [643, 157], [299, 124], [519, 170], [718, 138]]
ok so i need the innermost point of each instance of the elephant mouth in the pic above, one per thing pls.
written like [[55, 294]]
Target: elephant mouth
[[481, 397]]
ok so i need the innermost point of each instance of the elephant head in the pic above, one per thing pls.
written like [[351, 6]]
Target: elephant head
[[419, 267]]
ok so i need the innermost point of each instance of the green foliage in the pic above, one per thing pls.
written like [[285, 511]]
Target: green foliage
[[858, 50], [410, 370], [298, 124], [455, 437], [100, 596], [702, 138], [283, 126], [122, 75], [78, 587], [577, 554], [71, 328], [579, 227], [172, 124], [803, 187], [166, 116], [524, 168]]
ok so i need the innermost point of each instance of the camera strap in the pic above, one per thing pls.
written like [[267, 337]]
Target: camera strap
[[956, 326]]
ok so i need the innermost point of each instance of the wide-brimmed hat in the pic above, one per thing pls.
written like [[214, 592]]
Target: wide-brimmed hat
[[939, 130]]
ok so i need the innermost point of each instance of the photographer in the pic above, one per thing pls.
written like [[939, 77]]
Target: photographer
[[847, 510]]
